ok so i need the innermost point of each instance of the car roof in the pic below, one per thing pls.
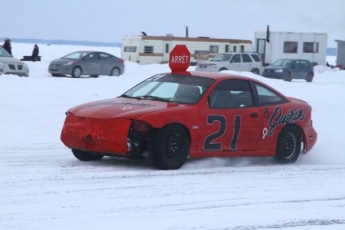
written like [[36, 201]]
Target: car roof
[[213, 75]]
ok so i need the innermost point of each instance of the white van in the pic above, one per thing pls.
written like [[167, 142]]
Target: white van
[[238, 61]]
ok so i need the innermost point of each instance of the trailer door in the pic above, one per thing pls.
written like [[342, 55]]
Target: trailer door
[[166, 51]]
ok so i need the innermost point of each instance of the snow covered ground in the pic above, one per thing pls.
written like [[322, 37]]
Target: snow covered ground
[[42, 186]]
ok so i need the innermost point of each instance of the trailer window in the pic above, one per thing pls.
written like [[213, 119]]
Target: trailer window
[[148, 49], [166, 48], [130, 49], [214, 49], [290, 47], [310, 47]]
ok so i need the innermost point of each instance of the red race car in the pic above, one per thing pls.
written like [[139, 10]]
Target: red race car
[[173, 116]]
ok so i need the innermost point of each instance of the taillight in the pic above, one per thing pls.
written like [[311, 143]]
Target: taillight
[[141, 126], [121, 60]]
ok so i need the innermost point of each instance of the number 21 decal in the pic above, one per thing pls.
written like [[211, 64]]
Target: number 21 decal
[[211, 119]]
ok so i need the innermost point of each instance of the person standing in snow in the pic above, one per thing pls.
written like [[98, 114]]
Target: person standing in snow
[[7, 46], [35, 52]]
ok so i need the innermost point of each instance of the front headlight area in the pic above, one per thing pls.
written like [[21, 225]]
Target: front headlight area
[[68, 63], [138, 138], [2, 67]]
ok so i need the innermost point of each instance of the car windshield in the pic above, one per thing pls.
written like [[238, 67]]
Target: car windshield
[[3, 53], [221, 57], [76, 55], [183, 89], [282, 62]]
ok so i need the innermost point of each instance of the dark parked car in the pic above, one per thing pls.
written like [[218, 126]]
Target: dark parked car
[[91, 63], [288, 69]]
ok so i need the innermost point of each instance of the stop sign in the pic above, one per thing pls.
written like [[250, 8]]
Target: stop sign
[[179, 58]]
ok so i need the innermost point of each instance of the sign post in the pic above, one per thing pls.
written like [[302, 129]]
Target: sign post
[[179, 59]]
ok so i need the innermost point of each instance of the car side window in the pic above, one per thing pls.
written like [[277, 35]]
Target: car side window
[[267, 96], [104, 56], [255, 57], [236, 59], [92, 56], [246, 58], [231, 94], [296, 64], [304, 64]]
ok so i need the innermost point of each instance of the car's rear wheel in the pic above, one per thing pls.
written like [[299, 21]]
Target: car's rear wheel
[[76, 72], [85, 156], [255, 71], [310, 77], [288, 145], [169, 147], [287, 76], [115, 72]]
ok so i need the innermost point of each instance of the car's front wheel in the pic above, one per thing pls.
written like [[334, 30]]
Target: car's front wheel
[[221, 69], [169, 147], [85, 156], [76, 72], [288, 145]]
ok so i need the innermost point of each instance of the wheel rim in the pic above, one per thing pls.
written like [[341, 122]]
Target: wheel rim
[[116, 72], [289, 146], [77, 72], [173, 146]]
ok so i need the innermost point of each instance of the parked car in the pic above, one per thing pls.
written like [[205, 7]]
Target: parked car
[[170, 117], [93, 63], [288, 69], [11, 65], [250, 62]]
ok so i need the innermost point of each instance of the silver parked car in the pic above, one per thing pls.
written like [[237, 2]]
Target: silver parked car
[[11, 65], [91, 63], [237, 61]]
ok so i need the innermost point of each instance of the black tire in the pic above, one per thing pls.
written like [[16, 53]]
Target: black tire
[[222, 69], [115, 72], [77, 72], [85, 156], [169, 147], [310, 77], [287, 76], [94, 76], [255, 71], [288, 145]]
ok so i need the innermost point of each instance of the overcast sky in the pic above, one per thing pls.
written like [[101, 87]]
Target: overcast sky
[[110, 20]]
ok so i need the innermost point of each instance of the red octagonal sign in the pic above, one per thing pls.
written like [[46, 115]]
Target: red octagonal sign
[[179, 58]]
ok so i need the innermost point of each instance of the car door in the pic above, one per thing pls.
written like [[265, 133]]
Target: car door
[[235, 62], [296, 69], [305, 69], [229, 121], [91, 64], [107, 63], [247, 63]]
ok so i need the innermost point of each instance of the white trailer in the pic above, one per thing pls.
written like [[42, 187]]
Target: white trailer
[[145, 49], [273, 45], [340, 61]]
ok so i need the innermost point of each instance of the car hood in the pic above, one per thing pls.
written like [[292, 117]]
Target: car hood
[[275, 67], [61, 61], [208, 63], [120, 108], [10, 60]]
